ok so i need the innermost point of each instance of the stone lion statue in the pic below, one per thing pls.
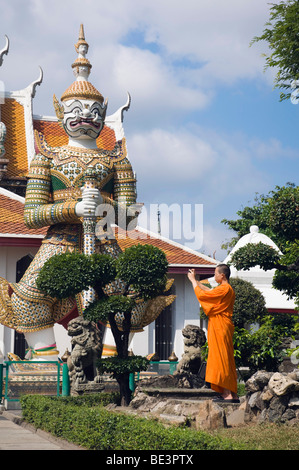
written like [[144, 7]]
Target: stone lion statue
[[194, 339], [86, 350]]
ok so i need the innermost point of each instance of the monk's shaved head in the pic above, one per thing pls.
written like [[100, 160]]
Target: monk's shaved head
[[224, 269]]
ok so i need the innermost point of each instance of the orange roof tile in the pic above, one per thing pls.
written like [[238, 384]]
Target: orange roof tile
[[175, 253], [54, 134], [12, 114], [12, 218]]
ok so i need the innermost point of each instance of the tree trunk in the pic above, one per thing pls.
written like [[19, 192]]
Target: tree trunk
[[124, 389], [122, 342]]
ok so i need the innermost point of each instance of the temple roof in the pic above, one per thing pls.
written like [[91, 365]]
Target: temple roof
[[16, 148], [177, 255], [12, 217]]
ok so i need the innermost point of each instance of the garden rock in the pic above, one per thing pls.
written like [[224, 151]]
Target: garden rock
[[267, 395], [277, 407], [272, 397], [210, 416], [282, 384], [199, 413], [258, 380]]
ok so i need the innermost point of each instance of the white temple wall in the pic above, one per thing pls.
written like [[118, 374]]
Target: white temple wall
[[185, 310]]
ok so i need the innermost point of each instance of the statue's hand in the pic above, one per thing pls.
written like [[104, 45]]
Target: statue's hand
[[91, 198]]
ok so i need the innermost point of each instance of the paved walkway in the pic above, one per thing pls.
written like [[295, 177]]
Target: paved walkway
[[22, 436]]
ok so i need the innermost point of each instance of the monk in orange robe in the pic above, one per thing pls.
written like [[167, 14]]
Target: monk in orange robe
[[218, 305]]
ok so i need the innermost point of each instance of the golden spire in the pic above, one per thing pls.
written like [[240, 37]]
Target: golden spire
[[82, 88], [81, 40]]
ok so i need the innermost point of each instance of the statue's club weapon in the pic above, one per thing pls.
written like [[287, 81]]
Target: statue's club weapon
[[89, 229]]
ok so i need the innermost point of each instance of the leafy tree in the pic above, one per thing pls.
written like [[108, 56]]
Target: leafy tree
[[282, 35], [142, 270], [276, 215]]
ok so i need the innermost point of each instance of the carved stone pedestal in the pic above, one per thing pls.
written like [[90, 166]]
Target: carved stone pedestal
[[87, 388]]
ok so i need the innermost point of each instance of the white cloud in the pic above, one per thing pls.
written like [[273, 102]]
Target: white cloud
[[172, 157], [199, 162], [214, 35], [153, 81]]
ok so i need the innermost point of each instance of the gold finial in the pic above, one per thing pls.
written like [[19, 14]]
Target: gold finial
[[81, 40]]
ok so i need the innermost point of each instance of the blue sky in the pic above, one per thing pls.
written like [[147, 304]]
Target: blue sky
[[205, 126]]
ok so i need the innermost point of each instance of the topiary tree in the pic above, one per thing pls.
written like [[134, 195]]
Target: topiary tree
[[142, 270], [68, 274], [250, 306]]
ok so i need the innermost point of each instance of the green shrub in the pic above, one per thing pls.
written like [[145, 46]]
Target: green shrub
[[145, 268], [100, 310], [116, 366], [66, 274], [96, 428], [250, 305]]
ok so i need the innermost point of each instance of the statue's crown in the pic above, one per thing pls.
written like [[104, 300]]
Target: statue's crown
[[81, 88]]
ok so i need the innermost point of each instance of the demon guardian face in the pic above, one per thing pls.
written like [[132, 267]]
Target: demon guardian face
[[83, 118]]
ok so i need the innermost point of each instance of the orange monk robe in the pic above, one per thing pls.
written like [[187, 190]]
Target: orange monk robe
[[218, 305]]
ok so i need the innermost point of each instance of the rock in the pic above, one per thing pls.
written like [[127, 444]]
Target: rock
[[288, 414], [266, 395], [258, 381], [294, 375], [160, 381], [278, 406], [286, 365], [254, 400], [173, 419], [177, 380], [210, 416], [281, 384], [263, 416], [236, 418], [143, 402]]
